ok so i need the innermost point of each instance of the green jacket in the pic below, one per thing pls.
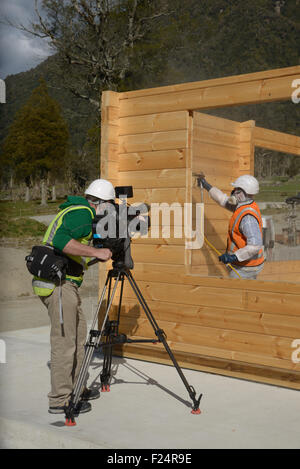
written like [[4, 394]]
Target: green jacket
[[74, 221]]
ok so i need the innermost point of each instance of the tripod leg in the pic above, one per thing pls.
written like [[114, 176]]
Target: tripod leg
[[107, 359], [92, 343], [108, 349], [89, 350], [162, 338]]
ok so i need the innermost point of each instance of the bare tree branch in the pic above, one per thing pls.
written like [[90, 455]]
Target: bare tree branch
[[95, 39]]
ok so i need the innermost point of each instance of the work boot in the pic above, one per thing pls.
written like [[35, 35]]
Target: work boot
[[90, 394], [82, 408], [56, 410]]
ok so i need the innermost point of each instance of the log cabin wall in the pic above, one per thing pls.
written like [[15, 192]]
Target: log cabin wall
[[216, 153], [237, 328]]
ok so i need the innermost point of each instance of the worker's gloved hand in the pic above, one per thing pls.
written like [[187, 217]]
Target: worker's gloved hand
[[201, 181], [228, 258]]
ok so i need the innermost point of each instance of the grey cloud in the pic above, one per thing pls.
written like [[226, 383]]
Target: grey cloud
[[19, 51]]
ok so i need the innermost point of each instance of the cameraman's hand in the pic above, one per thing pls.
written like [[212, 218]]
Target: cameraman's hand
[[77, 249], [103, 254]]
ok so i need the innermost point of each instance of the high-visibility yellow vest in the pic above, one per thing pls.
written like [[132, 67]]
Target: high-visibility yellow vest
[[44, 287]]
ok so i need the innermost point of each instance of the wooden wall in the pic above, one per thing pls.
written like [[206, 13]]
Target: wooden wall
[[215, 149], [233, 327]]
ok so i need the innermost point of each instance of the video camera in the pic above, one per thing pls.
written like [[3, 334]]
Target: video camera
[[116, 223]]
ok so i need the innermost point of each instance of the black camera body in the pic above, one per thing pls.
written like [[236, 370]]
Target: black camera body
[[115, 224]]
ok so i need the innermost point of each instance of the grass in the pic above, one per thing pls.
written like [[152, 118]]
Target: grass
[[278, 189], [15, 223], [21, 227], [20, 208]]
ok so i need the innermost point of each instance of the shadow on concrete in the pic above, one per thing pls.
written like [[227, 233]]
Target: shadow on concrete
[[147, 380]]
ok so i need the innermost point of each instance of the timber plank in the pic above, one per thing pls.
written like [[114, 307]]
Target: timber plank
[[202, 120], [211, 269], [293, 278], [211, 167], [170, 254], [166, 239], [276, 146], [153, 178], [206, 255], [159, 195], [109, 134], [110, 114], [192, 294], [270, 348], [273, 302], [173, 139], [261, 133], [211, 97], [109, 151], [179, 274], [206, 135], [154, 123], [276, 267], [152, 160], [212, 150], [221, 318], [220, 181], [242, 78], [225, 367]]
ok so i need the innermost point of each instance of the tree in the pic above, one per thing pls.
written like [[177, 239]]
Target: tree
[[230, 38], [37, 141], [96, 41]]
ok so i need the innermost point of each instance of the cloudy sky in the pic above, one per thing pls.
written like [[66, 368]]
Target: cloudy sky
[[18, 51]]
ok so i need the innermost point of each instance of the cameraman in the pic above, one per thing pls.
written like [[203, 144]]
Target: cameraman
[[70, 233]]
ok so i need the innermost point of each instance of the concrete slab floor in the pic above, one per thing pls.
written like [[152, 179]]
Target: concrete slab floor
[[148, 406]]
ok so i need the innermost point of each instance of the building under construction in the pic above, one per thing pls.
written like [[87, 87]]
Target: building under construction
[[154, 140]]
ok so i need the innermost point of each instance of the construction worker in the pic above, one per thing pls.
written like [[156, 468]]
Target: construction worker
[[70, 233], [245, 236]]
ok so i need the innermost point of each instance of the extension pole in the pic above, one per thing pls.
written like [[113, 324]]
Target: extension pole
[[219, 254]]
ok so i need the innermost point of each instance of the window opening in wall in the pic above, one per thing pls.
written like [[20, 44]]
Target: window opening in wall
[[279, 201]]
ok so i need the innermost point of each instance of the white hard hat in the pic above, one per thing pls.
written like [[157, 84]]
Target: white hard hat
[[248, 183], [102, 189]]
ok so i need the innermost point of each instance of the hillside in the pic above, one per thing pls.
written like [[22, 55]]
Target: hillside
[[79, 114], [203, 40]]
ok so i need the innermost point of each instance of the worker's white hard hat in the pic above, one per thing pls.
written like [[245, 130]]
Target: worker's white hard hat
[[102, 189], [248, 183]]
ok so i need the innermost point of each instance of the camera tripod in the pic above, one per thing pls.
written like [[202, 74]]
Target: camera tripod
[[108, 336]]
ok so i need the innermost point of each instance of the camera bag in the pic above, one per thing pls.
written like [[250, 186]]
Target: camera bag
[[47, 263]]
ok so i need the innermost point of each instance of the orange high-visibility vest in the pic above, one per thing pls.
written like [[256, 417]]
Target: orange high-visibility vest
[[236, 240]]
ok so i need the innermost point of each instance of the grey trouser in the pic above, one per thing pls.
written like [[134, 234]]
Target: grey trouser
[[67, 342], [250, 273]]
